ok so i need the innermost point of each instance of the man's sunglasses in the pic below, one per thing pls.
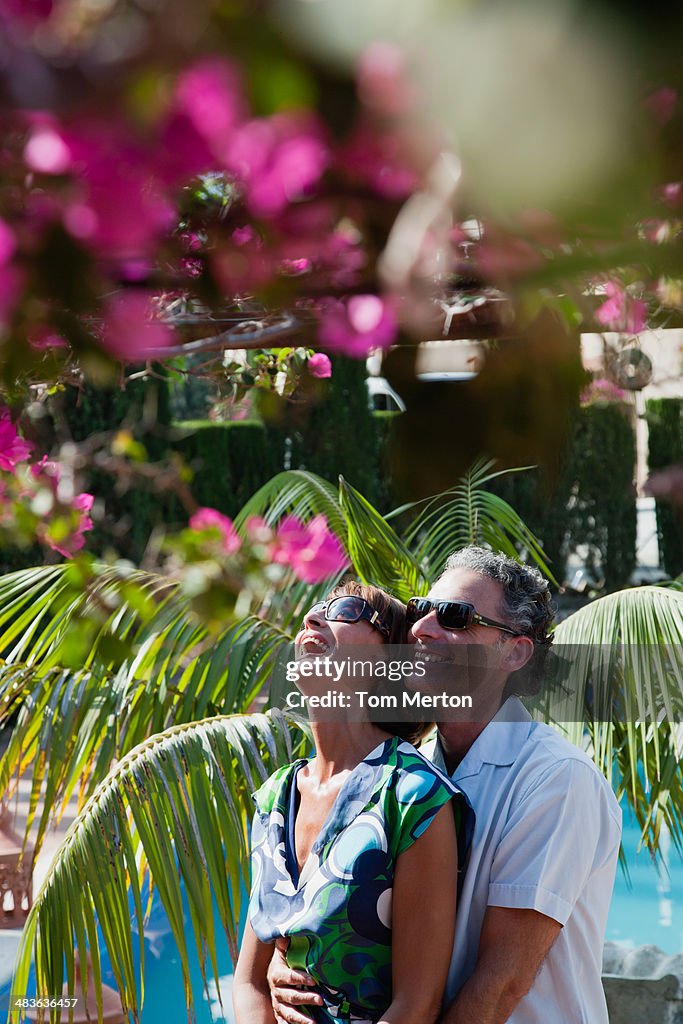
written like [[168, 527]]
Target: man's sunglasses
[[452, 615], [350, 609]]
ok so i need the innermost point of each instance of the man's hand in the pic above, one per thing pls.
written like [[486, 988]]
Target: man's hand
[[285, 992]]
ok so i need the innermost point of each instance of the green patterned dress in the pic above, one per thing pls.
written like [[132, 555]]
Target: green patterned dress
[[337, 912]]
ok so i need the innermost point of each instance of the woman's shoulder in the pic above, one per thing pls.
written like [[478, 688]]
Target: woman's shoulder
[[272, 794], [416, 773]]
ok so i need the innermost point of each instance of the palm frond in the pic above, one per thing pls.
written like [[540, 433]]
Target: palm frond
[[379, 555], [68, 724], [176, 810], [470, 514], [624, 691], [299, 493]]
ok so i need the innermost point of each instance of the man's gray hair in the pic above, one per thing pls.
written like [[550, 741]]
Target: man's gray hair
[[526, 601]]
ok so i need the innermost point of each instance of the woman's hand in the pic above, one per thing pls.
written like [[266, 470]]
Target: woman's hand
[[285, 992]]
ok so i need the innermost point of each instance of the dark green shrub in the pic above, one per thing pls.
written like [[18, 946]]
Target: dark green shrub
[[665, 423]]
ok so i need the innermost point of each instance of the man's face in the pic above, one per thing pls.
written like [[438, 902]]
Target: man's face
[[486, 665]]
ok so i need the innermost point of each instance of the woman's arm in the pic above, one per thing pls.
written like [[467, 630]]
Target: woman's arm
[[250, 993], [423, 923]]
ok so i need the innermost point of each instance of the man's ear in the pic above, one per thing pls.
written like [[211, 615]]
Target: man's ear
[[518, 653]]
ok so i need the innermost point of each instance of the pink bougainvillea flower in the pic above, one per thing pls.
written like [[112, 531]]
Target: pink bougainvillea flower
[[43, 338], [357, 326], [662, 104], [295, 267], [46, 467], [46, 151], [379, 161], [7, 243], [671, 193], [620, 312], [258, 531], [129, 332], [28, 12], [311, 549], [209, 94], [319, 365], [210, 519], [13, 449], [602, 390], [278, 160]]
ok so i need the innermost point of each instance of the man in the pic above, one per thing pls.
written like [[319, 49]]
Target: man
[[538, 880]]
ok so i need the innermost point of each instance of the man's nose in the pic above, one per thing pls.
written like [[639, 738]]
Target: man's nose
[[426, 628]]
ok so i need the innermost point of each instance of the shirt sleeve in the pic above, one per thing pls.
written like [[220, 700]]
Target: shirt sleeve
[[566, 826]]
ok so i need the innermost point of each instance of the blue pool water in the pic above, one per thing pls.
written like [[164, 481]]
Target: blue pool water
[[646, 908]]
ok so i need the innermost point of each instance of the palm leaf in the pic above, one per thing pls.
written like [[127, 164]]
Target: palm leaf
[[176, 810], [470, 514], [625, 693], [299, 493], [68, 725], [379, 555]]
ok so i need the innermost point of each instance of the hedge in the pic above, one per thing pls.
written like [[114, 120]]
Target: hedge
[[590, 504], [665, 424]]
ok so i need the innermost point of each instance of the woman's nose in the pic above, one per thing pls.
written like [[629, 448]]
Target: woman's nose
[[314, 617]]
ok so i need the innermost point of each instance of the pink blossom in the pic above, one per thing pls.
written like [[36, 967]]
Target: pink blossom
[[7, 243], [46, 151], [209, 94], [378, 160], [602, 390], [210, 519], [29, 12], [279, 160], [129, 332], [357, 326], [43, 338], [319, 365], [258, 531], [13, 449], [67, 542], [294, 267], [662, 104], [671, 193], [620, 312], [46, 467], [311, 549]]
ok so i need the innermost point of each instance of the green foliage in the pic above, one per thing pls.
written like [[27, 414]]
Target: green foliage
[[342, 437], [591, 503], [665, 423], [178, 807], [229, 461]]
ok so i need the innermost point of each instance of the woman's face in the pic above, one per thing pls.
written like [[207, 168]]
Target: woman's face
[[321, 636]]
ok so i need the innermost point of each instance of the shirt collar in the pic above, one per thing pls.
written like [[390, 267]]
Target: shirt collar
[[499, 742]]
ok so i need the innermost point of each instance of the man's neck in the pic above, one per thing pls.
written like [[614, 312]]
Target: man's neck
[[456, 740]]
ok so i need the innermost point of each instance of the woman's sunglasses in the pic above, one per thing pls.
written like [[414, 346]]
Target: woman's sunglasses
[[452, 615], [350, 609]]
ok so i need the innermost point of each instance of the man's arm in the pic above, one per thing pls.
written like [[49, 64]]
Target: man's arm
[[513, 945]]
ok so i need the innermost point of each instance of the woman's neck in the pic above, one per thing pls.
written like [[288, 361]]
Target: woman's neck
[[340, 746]]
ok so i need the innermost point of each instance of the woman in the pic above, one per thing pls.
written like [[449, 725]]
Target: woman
[[353, 853]]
